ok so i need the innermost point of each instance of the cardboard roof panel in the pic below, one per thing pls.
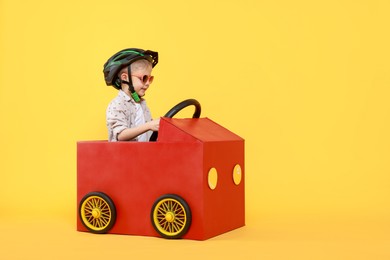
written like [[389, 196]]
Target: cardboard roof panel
[[202, 129]]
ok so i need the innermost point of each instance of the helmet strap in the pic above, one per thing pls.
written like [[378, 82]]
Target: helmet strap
[[134, 94]]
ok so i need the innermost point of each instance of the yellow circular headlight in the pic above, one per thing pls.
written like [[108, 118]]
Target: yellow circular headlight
[[213, 178], [237, 174]]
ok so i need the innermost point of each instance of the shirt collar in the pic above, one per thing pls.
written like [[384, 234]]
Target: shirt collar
[[125, 96], [128, 98]]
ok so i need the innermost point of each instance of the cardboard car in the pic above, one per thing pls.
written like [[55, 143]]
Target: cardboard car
[[189, 183]]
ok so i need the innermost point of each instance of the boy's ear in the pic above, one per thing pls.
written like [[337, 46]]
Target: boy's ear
[[124, 76]]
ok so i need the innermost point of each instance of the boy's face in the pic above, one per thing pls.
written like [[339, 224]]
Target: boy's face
[[141, 79]]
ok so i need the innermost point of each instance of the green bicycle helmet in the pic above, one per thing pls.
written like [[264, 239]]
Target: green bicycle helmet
[[122, 59]]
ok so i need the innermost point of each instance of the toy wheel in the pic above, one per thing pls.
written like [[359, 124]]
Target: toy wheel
[[97, 212], [171, 216]]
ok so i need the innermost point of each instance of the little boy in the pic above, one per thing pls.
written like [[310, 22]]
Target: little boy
[[128, 116]]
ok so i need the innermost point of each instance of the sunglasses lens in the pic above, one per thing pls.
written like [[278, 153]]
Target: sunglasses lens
[[145, 79]]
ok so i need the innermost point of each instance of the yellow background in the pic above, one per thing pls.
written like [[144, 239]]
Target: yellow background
[[305, 83]]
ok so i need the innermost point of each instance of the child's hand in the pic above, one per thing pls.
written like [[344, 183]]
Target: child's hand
[[154, 125]]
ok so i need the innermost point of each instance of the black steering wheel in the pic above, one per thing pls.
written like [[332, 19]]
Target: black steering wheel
[[174, 110]]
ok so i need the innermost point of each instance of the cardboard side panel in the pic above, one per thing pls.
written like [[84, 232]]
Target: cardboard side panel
[[225, 205], [134, 175]]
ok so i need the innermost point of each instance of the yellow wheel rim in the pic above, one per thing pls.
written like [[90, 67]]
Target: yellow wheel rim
[[96, 213], [170, 217]]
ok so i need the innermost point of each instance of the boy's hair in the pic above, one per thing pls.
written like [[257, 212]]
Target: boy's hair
[[140, 64], [136, 65]]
